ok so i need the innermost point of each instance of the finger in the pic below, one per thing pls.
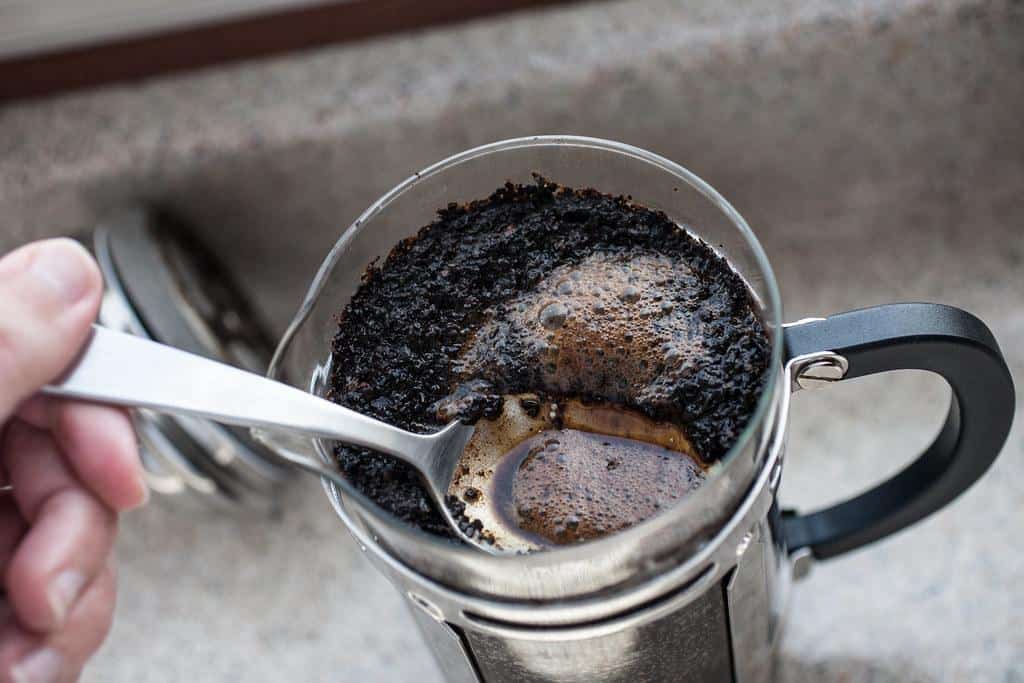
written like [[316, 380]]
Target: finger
[[14, 640], [12, 528], [37, 410], [89, 623], [70, 536], [100, 444], [25, 656], [49, 294]]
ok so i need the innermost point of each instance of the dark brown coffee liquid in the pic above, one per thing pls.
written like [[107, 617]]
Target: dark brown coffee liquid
[[565, 486], [548, 473]]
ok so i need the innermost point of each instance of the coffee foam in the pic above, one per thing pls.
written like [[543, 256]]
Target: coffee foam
[[621, 328], [617, 326], [569, 486]]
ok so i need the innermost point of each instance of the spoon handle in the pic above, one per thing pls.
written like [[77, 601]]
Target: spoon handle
[[126, 370]]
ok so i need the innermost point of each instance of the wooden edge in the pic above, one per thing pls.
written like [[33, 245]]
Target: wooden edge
[[234, 40]]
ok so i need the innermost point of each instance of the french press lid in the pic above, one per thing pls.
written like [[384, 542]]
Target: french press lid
[[161, 283]]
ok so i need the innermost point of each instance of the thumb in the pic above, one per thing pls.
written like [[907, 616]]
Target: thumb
[[49, 295]]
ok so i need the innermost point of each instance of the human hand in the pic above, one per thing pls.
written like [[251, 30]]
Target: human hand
[[72, 467]]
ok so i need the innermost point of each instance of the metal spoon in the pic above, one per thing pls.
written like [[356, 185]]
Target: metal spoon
[[125, 370]]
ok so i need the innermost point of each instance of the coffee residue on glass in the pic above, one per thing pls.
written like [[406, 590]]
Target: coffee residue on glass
[[556, 294]]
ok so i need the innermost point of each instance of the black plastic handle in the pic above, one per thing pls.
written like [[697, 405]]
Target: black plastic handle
[[944, 340]]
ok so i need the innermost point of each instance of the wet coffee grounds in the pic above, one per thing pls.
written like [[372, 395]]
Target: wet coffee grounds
[[547, 290]]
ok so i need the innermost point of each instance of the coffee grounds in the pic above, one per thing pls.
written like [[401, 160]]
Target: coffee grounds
[[401, 350]]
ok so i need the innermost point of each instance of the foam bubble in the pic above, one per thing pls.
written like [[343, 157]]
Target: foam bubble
[[553, 315]]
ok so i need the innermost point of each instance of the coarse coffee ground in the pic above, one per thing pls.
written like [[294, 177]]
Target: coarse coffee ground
[[565, 293]]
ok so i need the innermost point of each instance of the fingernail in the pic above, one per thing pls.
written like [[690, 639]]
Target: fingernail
[[40, 666], [62, 265], [63, 591]]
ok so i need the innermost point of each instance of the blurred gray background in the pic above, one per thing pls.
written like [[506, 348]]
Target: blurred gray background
[[876, 147]]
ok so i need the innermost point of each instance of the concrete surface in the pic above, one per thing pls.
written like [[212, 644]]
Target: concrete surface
[[876, 147]]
